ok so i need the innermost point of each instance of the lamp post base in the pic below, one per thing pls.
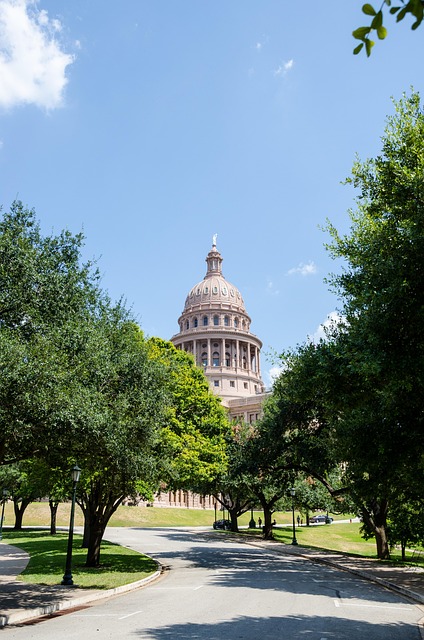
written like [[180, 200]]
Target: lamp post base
[[67, 580]]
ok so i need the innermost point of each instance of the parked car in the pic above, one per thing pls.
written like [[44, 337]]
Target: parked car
[[222, 524], [321, 519]]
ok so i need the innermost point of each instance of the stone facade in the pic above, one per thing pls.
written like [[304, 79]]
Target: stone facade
[[215, 328]]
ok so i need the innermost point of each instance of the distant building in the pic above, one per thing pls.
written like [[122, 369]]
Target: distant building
[[215, 328]]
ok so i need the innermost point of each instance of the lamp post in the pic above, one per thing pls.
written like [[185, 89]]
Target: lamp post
[[293, 493], [252, 523], [67, 578], [5, 492]]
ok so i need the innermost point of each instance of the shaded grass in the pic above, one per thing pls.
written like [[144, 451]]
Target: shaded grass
[[118, 565]]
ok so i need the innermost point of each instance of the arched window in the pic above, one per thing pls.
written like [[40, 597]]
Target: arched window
[[187, 324], [205, 321], [236, 322], [227, 359], [204, 359], [215, 359], [195, 322], [226, 321], [216, 320], [244, 362]]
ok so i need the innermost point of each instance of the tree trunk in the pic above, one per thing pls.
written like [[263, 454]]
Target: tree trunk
[[19, 509], [267, 528], [94, 544], [98, 506], [234, 519], [86, 534], [376, 519], [383, 550], [403, 547], [53, 513]]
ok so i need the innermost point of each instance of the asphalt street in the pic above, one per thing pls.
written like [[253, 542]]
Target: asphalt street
[[214, 587]]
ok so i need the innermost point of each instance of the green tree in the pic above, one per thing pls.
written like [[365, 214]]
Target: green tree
[[115, 450], [406, 523], [193, 441], [25, 482], [232, 488], [43, 291], [377, 354], [415, 9]]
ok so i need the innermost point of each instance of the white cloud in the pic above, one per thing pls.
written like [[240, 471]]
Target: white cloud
[[284, 68], [333, 319], [308, 269], [32, 64], [274, 373], [258, 46], [271, 288], [270, 376]]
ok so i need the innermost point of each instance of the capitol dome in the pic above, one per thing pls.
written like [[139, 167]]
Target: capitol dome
[[215, 328], [214, 290]]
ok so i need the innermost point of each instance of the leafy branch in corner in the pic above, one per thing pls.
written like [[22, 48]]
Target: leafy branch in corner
[[364, 34]]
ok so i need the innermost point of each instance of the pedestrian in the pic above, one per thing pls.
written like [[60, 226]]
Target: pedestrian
[[298, 521], [259, 522]]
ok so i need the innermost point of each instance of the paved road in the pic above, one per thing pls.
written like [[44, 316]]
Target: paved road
[[215, 588]]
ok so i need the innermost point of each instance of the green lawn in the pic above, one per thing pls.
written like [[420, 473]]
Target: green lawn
[[118, 565], [38, 514]]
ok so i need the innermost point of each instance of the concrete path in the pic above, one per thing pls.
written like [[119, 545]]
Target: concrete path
[[20, 601]]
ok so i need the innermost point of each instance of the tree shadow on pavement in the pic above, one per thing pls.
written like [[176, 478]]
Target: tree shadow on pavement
[[292, 626]]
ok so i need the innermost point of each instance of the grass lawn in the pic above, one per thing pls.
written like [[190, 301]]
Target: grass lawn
[[37, 514], [335, 537], [119, 565], [344, 537]]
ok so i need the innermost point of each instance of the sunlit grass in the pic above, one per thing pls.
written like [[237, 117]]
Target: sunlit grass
[[118, 565], [343, 538]]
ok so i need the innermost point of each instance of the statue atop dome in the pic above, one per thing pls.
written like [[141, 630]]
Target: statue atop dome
[[214, 237]]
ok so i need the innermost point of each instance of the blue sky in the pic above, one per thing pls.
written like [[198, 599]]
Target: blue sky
[[153, 125]]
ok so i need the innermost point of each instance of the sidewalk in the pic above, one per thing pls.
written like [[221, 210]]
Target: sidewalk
[[21, 602]]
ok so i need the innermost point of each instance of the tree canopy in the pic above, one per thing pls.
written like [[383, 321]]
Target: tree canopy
[[356, 398]]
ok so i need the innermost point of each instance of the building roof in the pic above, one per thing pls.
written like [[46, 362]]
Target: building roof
[[214, 289]]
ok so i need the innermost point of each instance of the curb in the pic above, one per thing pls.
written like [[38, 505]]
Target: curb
[[48, 609], [416, 597]]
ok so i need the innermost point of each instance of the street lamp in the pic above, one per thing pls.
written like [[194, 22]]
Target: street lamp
[[252, 523], [67, 578], [293, 493], [5, 493]]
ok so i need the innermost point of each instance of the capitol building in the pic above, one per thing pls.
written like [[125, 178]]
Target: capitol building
[[215, 328]]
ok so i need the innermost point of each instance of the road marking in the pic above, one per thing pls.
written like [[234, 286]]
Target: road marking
[[134, 613], [197, 588], [372, 606]]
